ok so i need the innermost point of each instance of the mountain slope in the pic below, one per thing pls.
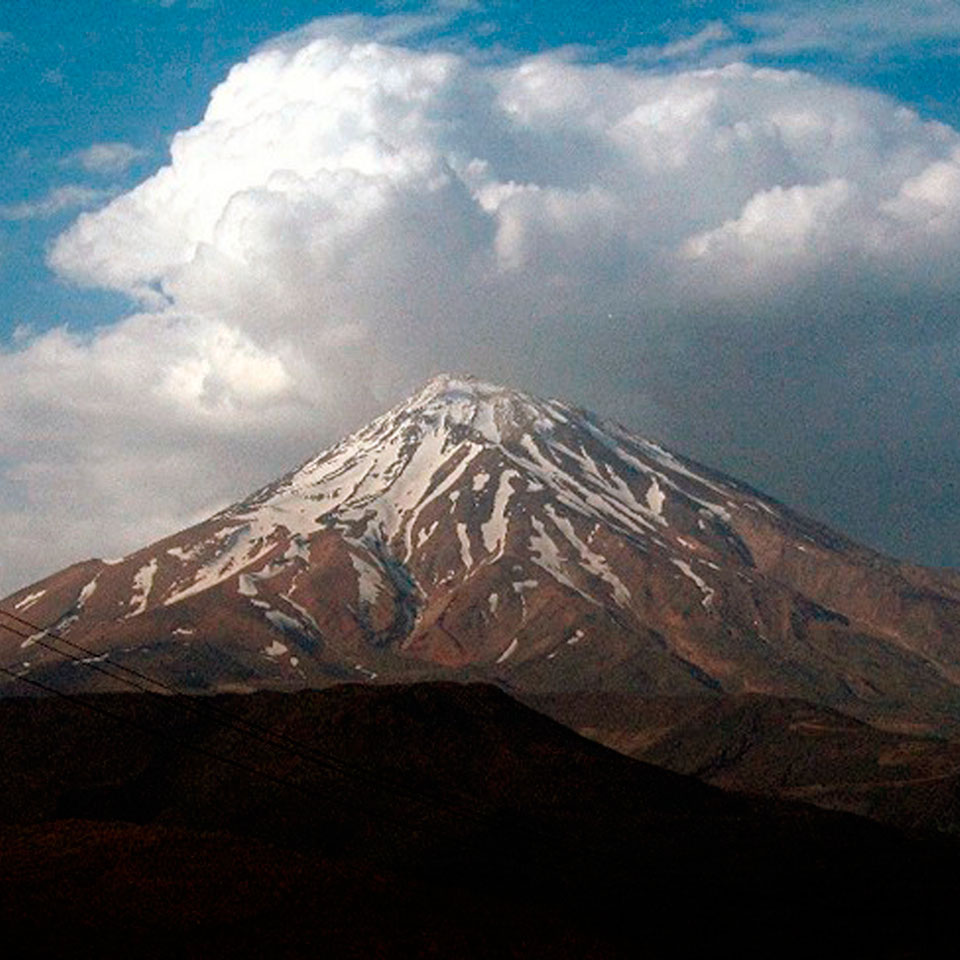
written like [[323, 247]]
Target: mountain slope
[[476, 532]]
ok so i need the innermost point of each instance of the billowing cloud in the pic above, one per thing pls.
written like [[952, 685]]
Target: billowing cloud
[[326, 177], [113, 438], [350, 216]]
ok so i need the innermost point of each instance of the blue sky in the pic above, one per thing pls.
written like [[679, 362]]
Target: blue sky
[[826, 378]]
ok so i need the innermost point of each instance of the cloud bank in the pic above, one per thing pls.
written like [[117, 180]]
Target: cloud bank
[[678, 247]]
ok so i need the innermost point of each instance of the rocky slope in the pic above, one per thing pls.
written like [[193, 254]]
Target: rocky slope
[[474, 532]]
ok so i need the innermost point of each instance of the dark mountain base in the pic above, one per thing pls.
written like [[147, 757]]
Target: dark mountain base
[[426, 820]]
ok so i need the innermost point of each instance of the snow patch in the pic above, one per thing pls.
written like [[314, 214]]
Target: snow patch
[[87, 592], [142, 585], [464, 539], [27, 602], [595, 563], [285, 622], [494, 531], [520, 585], [707, 591], [369, 579], [655, 499], [276, 649], [509, 652], [241, 547], [179, 553], [425, 534], [95, 659], [547, 555], [302, 611]]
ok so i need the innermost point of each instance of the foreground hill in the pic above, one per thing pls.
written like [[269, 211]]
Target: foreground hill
[[427, 820], [474, 532]]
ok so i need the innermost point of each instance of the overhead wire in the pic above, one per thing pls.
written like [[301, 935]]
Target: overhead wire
[[227, 718], [87, 704], [458, 804]]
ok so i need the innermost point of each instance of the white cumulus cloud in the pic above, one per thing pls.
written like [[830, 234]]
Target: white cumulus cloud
[[329, 176]]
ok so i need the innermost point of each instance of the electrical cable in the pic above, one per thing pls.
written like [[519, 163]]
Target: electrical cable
[[232, 721]]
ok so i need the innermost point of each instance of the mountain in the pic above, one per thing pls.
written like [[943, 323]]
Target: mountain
[[426, 820], [475, 532]]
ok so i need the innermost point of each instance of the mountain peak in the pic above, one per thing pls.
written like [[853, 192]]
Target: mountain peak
[[443, 384], [468, 405]]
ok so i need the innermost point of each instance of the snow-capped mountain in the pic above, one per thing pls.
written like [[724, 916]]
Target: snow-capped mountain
[[474, 531]]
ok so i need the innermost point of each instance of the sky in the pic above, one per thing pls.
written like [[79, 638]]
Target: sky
[[231, 232]]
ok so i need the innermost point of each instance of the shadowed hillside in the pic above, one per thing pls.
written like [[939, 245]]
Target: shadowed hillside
[[426, 820]]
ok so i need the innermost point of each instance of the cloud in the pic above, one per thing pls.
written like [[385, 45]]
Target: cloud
[[334, 182], [869, 31], [106, 158], [189, 4], [111, 439], [710, 36], [57, 201], [351, 215], [867, 28]]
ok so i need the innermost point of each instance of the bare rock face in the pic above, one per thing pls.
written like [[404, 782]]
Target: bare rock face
[[474, 532]]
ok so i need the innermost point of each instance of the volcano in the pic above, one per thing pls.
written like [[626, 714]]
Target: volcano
[[478, 533]]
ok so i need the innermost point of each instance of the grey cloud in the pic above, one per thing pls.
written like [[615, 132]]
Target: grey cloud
[[714, 34]]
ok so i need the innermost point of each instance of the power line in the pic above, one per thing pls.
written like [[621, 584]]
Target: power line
[[232, 721], [119, 718], [459, 805]]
